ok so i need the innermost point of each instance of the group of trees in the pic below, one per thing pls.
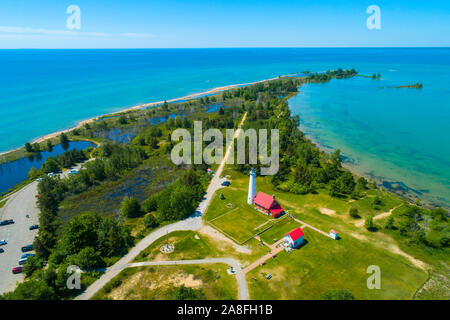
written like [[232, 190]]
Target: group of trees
[[177, 201], [421, 226], [303, 167], [85, 242]]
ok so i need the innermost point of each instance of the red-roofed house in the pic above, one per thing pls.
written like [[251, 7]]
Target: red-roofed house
[[294, 238], [267, 205]]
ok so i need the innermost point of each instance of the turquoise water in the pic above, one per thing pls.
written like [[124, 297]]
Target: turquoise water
[[400, 134]]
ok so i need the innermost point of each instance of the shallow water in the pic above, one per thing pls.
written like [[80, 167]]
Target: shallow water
[[12, 173]]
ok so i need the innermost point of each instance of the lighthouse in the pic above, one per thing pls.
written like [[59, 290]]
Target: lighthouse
[[251, 186]]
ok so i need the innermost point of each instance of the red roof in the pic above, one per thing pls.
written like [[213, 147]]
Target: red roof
[[296, 233], [264, 200], [333, 231]]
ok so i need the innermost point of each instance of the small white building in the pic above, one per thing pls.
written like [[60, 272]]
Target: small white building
[[333, 234], [294, 238]]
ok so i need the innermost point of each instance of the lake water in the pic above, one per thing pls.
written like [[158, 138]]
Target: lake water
[[399, 135], [12, 173]]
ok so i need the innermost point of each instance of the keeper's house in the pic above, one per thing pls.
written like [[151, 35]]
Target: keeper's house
[[294, 238], [267, 205]]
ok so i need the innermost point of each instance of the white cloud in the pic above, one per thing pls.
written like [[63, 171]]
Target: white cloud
[[24, 30]]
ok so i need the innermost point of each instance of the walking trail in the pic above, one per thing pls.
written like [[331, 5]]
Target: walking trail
[[192, 223]]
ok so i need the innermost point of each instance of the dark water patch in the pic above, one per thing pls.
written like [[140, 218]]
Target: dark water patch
[[215, 107], [14, 172], [119, 135], [106, 198]]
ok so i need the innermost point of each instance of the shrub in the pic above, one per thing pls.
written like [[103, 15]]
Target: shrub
[[150, 221], [354, 213], [130, 207]]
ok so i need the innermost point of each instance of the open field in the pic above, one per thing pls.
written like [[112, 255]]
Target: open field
[[158, 282], [324, 264], [198, 245]]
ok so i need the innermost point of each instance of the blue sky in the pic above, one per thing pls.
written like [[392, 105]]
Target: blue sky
[[231, 23]]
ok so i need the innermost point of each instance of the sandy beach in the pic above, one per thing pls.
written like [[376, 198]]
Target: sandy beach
[[146, 105]]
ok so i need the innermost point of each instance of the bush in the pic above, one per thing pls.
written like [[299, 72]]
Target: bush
[[340, 294], [354, 213], [150, 221], [151, 204], [130, 207], [368, 223], [87, 259]]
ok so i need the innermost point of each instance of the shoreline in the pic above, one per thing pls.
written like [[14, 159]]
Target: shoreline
[[212, 91]]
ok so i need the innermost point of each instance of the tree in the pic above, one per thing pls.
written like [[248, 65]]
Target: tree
[[64, 141], [28, 147], [389, 223], [354, 212], [113, 238], [81, 232], [369, 224], [439, 214], [50, 165], [151, 203], [340, 294], [222, 197], [35, 289], [36, 147], [150, 221], [130, 207], [334, 188], [49, 145], [346, 183], [87, 259], [32, 264], [376, 202]]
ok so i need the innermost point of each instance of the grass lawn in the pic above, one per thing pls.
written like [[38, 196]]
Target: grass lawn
[[158, 282], [239, 222], [325, 264], [196, 245], [187, 247], [279, 230]]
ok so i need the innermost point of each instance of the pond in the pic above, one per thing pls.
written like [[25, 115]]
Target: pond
[[14, 172]]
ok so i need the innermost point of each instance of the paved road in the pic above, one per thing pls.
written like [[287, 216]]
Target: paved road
[[17, 235], [240, 277], [194, 222]]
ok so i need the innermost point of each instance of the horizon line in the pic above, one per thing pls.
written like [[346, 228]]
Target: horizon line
[[263, 47]]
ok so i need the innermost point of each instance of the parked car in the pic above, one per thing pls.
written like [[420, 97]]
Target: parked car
[[10, 221], [22, 261], [17, 270], [27, 248], [1, 250], [34, 226], [36, 195], [226, 183], [27, 255], [3, 242], [3, 223]]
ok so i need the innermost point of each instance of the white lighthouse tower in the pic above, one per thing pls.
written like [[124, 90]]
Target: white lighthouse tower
[[251, 186]]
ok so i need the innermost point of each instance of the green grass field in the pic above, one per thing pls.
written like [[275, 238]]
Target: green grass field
[[325, 264], [322, 264]]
